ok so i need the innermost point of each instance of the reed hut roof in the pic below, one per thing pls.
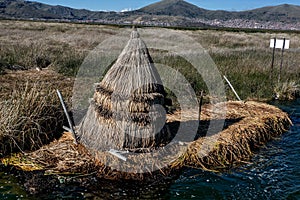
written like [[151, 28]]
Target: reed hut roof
[[123, 113]]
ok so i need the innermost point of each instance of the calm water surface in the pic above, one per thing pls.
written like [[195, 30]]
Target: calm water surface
[[273, 173]]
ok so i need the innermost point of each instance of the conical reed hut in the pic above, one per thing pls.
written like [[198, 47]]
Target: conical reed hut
[[127, 109]]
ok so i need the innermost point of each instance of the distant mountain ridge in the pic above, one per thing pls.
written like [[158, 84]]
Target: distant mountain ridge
[[162, 13], [28, 9], [285, 12]]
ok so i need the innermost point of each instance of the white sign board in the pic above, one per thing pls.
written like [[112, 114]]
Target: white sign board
[[279, 44]]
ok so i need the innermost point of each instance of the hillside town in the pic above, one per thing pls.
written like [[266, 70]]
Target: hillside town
[[187, 22], [235, 23]]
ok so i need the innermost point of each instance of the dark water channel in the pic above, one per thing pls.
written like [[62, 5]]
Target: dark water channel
[[273, 173]]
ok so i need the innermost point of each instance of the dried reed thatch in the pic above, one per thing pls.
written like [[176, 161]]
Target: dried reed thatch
[[126, 111], [249, 125]]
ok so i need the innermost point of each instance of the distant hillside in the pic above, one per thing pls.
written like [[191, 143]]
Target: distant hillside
[[27, 9], [162, 13], [174, 8], [284, 13]]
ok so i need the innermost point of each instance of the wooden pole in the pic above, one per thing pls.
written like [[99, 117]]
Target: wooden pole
[[232, 88], [281, 63], [71, 129], [273, 58], [200, 105]]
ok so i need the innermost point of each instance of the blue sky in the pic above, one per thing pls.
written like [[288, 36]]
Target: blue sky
[[118, 5]]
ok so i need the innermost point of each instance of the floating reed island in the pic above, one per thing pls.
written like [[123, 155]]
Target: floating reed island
[[249, 126], [127, 135]]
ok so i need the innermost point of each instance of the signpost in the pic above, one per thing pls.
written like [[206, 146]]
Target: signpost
[[278, 44]]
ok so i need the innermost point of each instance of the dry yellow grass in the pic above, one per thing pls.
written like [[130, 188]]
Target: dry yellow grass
[[244, 57], [30, 112], [47, 79]]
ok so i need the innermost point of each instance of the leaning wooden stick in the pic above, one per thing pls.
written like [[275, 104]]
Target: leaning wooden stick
[[71, 129], [200, 105], [118, 154], [232, 88]]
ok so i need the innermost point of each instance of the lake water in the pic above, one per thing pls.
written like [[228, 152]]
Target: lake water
[[273, 173]]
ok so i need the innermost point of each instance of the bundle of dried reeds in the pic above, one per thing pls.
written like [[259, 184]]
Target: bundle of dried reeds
[[257, 124]]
